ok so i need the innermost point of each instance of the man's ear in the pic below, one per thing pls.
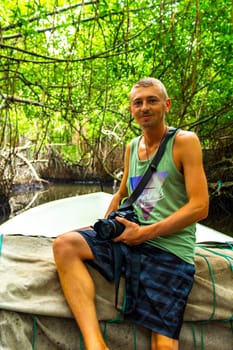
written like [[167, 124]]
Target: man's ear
[[168, 105]]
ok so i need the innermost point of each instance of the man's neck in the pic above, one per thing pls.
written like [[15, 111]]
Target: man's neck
[[154, 136]]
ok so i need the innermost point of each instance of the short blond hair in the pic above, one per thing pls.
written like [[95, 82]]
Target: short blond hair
[[145, 82]]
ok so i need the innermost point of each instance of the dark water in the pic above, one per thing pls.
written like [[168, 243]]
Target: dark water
[[28, 198]]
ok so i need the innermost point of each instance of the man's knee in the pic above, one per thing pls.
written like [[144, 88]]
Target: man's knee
[[71, 245], [61, 245]]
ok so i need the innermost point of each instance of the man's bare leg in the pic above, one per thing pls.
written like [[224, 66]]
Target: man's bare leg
[[161, 342], [70, 250]]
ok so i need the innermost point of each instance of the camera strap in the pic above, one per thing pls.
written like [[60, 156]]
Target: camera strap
[[151, 169], [133, 284]]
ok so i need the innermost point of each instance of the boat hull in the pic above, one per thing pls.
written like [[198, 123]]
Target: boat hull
[[33, 311], [63, 215]]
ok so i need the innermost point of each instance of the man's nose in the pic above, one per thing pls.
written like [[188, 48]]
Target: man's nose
[[145, 105]]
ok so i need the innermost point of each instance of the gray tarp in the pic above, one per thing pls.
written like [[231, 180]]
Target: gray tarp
[[34, 314]]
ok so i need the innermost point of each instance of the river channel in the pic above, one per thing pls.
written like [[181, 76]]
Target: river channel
[[28, 198]]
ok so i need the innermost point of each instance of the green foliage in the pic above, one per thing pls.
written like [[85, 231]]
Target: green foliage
[[66, 68]]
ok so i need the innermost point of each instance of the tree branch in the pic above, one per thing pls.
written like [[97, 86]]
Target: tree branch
[[58, 10]]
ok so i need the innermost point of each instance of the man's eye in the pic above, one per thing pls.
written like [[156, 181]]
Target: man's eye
[[137, 103], [152, 101]]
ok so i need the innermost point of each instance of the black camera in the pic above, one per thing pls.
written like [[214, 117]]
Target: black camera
[[110, 228]]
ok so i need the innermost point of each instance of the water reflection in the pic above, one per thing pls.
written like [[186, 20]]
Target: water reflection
[[22, 201]]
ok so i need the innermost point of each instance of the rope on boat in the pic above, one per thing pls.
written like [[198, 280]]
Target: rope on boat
[[226, 246], [80, 341], [214, 288], [195, 338], [34, 332]]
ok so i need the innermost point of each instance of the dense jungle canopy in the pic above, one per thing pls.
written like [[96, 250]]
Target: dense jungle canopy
[[66, 69]]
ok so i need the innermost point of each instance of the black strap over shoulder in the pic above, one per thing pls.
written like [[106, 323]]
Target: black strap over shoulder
[[151, 169], [133, 284]]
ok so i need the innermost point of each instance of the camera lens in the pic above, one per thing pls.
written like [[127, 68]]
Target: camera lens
[[102, 228], [117, 228], [111, 229], [108, 228]]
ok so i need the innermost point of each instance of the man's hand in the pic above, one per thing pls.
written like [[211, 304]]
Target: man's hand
[[133, 234]]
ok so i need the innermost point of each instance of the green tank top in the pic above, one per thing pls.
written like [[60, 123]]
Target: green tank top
[[164, 194]]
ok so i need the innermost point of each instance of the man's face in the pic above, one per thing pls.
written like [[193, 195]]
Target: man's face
[[148, 105]]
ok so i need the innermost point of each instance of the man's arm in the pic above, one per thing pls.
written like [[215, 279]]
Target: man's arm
[[122, 191], [187, 156]]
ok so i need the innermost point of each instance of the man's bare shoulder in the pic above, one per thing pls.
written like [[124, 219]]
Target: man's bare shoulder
[[187, 148], [184, 137], [186, 134]]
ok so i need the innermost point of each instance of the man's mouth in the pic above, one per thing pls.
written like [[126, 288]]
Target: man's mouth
[[146, 115]]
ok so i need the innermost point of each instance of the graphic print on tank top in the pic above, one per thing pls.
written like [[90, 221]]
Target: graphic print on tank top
[[151, 194]]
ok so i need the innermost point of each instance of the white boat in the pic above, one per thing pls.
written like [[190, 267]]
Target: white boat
[[34, 314], [59, 216]]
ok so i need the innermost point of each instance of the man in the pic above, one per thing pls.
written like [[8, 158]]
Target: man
[[174, 199]]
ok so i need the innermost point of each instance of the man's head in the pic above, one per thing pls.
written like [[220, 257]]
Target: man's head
[[149, 102]]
